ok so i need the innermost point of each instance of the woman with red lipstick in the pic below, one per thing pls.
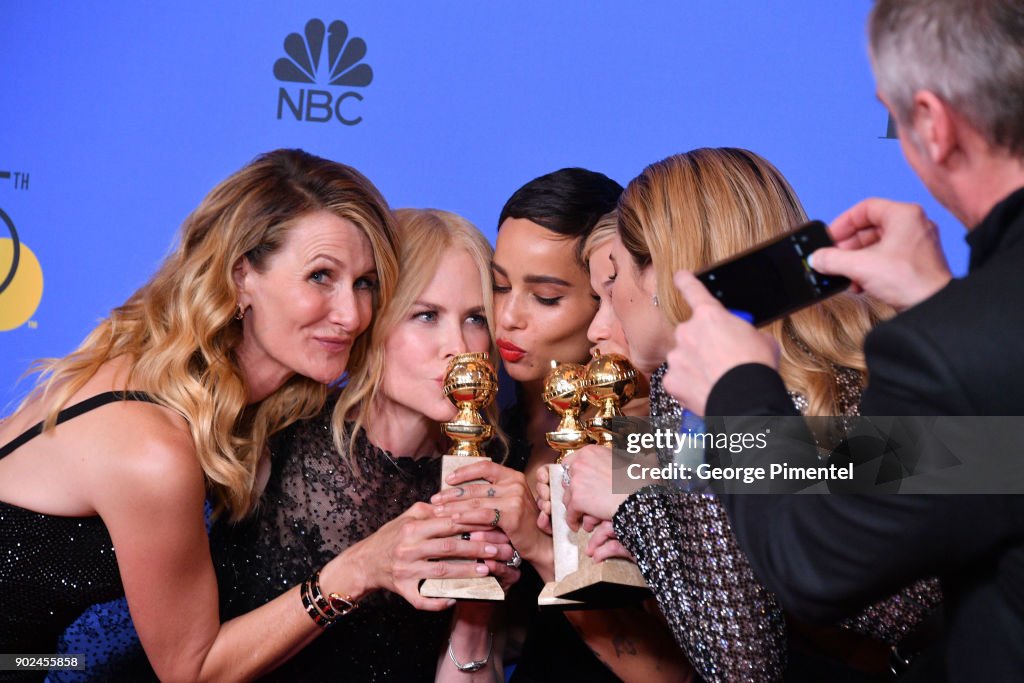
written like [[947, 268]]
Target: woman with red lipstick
[[168, 404], [544, 304], [351, 481]]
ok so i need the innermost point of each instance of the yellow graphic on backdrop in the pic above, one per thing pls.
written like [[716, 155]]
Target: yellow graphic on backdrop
[[20, 299]]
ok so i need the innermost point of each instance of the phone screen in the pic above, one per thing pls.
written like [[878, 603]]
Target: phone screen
[[773, 279]]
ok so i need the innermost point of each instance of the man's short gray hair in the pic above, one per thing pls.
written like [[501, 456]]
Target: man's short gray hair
[[968, 52]]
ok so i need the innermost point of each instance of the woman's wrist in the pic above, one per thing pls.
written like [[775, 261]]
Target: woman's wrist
[[346, 574], [542, 556], [472, 615], [470, 646]]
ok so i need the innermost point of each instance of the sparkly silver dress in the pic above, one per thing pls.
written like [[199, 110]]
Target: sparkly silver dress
[[729, 625], [314, 507]]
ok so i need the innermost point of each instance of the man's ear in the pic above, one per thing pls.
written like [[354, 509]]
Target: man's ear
[[934, 126]]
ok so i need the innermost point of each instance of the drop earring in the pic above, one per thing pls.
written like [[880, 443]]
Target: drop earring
[[240, 313], [654, 300]]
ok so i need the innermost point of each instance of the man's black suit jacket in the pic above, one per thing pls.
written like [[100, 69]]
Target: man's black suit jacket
[[961, 352]]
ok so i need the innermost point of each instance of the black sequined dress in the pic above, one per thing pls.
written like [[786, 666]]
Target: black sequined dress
[[729, 625], [56, 571], [314, 507]]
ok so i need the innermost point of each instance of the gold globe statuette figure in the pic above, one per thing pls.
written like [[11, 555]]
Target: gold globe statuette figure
[[609, 383], [471, 384], [563, 394]]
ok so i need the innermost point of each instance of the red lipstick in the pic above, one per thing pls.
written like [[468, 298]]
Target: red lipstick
[[509, 351]]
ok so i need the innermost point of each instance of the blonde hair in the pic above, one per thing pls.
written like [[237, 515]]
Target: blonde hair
[[424, 236], [180, 331], [603, 231], [694, 209]]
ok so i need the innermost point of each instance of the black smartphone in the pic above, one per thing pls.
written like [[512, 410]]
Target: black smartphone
[[773, 279]]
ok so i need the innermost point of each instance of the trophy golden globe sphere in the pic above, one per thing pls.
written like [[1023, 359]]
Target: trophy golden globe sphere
[[470, 384], [610, 383], [563, 387], [563, 394], [470, 380], [610, 380]]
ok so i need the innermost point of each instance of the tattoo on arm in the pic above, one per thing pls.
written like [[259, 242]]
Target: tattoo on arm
[[623, 645]]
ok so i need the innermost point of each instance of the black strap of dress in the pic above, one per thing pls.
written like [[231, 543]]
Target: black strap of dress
[[74, 411]]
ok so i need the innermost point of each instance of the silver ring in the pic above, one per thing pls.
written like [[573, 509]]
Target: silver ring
[[565, 477], [516, 560]]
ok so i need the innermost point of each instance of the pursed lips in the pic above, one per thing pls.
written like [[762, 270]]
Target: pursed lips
[[334, 344]]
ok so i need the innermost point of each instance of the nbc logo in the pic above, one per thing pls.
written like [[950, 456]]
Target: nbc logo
[[313, 60]]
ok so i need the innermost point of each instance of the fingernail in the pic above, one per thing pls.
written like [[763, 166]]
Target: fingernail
[[481, 569], [438, 509], [490, 549], [810, 260], [451, 603], [436, 497], [450, 478]]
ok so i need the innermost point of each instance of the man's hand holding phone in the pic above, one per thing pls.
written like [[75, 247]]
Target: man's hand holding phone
[[713, 341], [756, 286], [889, 250]]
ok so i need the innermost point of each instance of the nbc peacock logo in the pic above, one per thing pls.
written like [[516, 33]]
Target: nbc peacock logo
[[21, 279], [326, 57]]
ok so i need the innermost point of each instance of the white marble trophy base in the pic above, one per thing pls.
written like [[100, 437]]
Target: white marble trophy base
[[477, 588], [610, 582], [564, 538]]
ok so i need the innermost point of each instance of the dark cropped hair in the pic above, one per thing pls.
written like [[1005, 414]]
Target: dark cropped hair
[[568, 202]]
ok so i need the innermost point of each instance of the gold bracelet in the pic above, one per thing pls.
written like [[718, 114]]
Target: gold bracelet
[[324, 611], [319, 618], [341, 604], [317, 596]]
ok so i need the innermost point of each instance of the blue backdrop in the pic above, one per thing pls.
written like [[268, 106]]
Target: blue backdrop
[[118, 117]]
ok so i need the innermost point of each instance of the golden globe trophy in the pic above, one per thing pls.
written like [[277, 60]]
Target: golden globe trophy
[[563, 394], [471, 385], [609, 383]]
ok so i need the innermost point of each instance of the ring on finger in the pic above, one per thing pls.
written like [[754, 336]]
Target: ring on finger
[[565, 477], [497, 517], [516, 560]]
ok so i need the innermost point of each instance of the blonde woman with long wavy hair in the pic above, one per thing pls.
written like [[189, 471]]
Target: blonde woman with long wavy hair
[[687, 212], [169, 403], [352, 482]]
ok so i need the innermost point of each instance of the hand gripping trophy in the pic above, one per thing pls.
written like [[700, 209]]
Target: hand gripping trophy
[[471, 385], [609, 383]]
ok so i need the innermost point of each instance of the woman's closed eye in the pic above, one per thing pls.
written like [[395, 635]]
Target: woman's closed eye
[[547, 300]]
